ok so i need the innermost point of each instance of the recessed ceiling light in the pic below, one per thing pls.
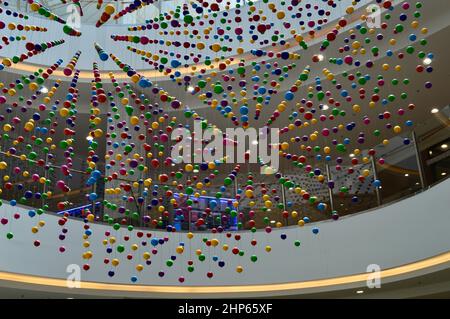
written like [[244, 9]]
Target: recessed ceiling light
[[427, 61], [417, 183], [406, 175], [43, 89], [360, 291], [443, 173], [444, 146], [190, 89], [430, 152], [434, 110]]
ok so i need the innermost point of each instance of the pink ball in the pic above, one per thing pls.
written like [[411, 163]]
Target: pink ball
[[60, 184], [164, 137], [67, 72]]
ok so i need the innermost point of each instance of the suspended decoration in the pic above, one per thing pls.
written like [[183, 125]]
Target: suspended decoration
[[252, 65]]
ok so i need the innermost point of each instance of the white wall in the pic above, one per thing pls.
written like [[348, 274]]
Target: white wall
[[410, 230]]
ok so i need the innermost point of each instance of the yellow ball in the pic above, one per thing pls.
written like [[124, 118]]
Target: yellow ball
[[239, 269], [110, 9], [134, 120], [33, 86], [180, 249], [7, 127], [135, 78], [216, 47], [281, 15], [214, 242], [29, 126], [268, 249], [64, 112]]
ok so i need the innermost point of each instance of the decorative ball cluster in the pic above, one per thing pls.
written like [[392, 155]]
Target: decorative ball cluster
[[250, 65]]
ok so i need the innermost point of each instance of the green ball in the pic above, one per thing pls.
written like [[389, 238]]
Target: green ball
[[227, 181]]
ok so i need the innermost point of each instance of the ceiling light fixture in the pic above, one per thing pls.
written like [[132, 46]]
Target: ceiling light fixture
[[427, 61], [444, 146], [190, 89], [360, 291], [434, 111], [43, 89], [443, 173], [406, 175]]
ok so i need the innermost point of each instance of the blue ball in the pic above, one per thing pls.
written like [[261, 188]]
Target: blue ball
[[103, 56], [289, 96]]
